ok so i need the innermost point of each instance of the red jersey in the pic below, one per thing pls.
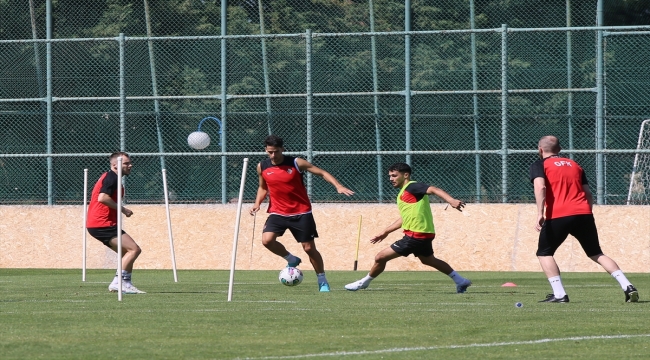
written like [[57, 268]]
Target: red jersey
[[287, 192], [100, 215], [565, 194]]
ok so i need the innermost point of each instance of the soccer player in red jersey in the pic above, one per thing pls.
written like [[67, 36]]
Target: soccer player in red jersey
[[102, 221], [561, 189], [281, 178]]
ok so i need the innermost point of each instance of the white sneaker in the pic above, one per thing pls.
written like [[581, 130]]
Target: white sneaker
[[357, 285], [129, 288], [114, 284]]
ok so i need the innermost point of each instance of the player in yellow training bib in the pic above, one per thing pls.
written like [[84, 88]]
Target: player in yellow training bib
[[416, 221]]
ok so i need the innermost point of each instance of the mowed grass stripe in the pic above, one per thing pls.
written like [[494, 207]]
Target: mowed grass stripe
[[52, 314]]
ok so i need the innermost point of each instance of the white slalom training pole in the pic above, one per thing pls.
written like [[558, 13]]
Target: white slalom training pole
[[169, 223], [636, 161], [234, 241], [119, 228], [85, 217]]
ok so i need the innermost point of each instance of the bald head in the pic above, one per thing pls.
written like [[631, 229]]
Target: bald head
[[549, 145], [126, 162]]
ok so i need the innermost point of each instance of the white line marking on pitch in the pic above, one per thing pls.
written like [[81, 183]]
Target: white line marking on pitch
[[424, 348], [243, 283], [270, 301], [460, 304]]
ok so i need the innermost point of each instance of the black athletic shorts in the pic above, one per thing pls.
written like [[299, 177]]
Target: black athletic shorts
[[104, 234], [555, 231], [408, 245], [302, 227]]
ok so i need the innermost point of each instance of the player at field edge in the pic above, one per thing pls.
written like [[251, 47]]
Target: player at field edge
[[281, 178], [564, 206], [102, 221], [416, 220]]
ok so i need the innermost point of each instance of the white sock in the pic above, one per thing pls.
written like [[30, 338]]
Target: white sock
[[126, 276], [459, 280], [556, 284], [367, 279], [321, 278], [290, 258], [124, 273], [622, 280]]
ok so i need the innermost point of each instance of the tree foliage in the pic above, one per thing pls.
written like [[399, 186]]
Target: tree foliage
[[339, 64]]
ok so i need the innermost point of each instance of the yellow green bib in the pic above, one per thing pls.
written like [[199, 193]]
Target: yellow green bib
[[416, 216]]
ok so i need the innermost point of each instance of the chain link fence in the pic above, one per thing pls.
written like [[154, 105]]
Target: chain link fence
[[465, 108], [25, 19]]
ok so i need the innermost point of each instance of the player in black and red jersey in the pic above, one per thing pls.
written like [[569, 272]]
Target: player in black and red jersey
[[102, 221], [561, 185], [281, 178]]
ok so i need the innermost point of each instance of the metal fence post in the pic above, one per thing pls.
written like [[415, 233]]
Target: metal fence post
[[375, 88], [37, 56], [504, 113], [569, 72], [477, 157], [154, 86], [48, 99], [224, 90], [600, 166], [120, 40], [265, 68], [309, 99], [407, 79]]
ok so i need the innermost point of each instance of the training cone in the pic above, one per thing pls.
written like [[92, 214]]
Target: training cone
[[509, 284]]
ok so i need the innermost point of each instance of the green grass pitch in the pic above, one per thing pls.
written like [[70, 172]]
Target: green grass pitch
[[52, 314]]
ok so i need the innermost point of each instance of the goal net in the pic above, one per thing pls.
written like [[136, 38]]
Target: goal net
[[639, 192]]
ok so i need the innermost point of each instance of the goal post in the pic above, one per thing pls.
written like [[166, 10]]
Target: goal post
[[639, 191]]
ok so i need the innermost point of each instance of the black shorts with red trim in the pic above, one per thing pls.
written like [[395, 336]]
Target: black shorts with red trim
[[555, 231], [410, 245], [302, 227]]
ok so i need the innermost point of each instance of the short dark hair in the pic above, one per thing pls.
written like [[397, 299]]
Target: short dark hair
[[273, 140], [116, 154], [401, 167]]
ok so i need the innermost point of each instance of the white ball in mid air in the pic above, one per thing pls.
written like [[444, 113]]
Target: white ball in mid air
[[198, 140]]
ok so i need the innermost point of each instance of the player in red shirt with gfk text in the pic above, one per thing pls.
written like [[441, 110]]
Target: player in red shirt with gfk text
[[564, 204]]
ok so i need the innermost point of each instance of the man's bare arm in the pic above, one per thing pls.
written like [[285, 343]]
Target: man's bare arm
[[539, 185], [305, 165], [392, 227], [262, 191], [108, 201], [455, 203]]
